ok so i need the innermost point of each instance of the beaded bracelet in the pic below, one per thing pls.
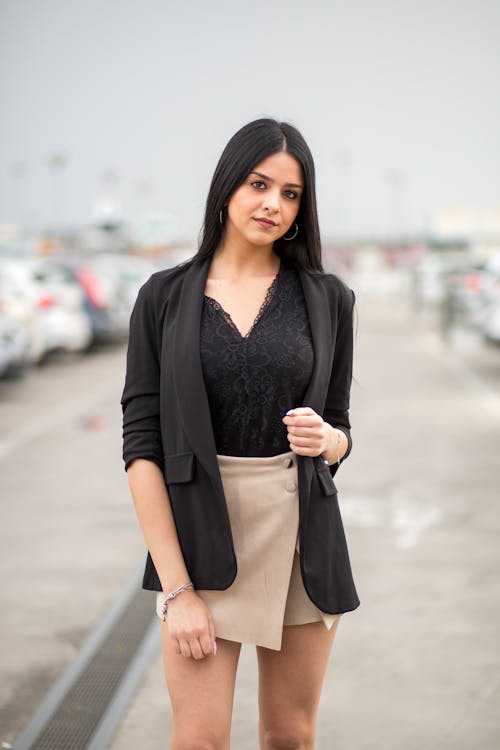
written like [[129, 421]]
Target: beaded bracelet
[[338, 447], [173, 594]]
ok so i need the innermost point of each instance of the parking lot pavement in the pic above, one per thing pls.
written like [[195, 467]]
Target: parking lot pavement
[[68, 536], [418, 664]]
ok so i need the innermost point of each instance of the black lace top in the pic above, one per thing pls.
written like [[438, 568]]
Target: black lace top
[[253, 380]]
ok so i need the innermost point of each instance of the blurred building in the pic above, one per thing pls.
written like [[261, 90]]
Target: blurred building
[[479, 228]]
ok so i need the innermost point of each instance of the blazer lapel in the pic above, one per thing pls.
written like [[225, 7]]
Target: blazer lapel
[[318, 310], [188, 374]]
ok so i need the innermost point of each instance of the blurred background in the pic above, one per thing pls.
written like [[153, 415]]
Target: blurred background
[[113, 117]]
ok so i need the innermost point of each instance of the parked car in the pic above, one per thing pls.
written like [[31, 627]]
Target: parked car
[[48, 303], [17, 293], [61, 305], [463, 303], [120, 277], [109, 284], [13, 345], [429, 278], [491, 293], [94, 301]]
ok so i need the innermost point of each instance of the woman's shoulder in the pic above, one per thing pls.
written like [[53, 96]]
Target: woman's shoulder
[[162, 281], [337, 289]]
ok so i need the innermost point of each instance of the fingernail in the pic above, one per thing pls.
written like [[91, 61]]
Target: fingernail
[[290, 412], [215, 647]]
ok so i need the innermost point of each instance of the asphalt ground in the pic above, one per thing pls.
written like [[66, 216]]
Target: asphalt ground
[[68, 534], [417, 666]]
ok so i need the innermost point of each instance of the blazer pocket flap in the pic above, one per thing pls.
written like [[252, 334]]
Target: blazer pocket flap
[[324, 477], [179, 468]]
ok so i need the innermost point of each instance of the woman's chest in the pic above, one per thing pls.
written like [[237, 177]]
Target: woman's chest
[[242, 303], [279, 340]]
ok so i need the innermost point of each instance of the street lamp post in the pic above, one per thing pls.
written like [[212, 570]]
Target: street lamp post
[[395, 182], [17, 172], [343, 164], [57, 162]]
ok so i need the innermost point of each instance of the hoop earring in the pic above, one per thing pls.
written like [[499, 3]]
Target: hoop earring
[[293, 235], [220, 216]]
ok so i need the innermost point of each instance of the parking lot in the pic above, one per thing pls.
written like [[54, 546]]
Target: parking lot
[[415, 666]]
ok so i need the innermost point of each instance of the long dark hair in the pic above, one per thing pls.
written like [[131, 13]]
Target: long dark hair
[[252, 144]]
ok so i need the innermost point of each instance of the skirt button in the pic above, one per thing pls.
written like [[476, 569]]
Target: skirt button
[[287, 462], [291, 486]]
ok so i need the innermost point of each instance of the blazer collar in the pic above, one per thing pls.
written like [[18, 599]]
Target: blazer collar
[[188, 374], [319, 314]]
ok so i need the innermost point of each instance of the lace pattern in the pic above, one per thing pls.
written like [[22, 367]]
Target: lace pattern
[[253, 380], [267, 299]]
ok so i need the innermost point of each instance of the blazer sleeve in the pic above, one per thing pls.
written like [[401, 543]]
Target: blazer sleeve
[[336, 410], [141, 394]]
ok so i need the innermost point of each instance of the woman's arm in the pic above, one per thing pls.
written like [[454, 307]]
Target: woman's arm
[[189, 621], [142, 444], [311, 434], [336, 444], [336, 412], [154, 512]]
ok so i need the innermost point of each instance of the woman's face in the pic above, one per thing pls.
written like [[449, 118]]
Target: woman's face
[[264, 207]]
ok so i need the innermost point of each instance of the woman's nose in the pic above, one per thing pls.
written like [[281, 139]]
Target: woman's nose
[[271, 201]]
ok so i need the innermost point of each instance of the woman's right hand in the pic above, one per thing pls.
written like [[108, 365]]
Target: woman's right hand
[[190, 626]]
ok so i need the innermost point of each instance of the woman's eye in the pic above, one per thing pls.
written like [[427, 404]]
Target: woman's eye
[[259, 185]]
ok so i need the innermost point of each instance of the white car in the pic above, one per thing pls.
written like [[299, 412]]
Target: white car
[[491, 325], [48, 303], [60, 304], [13, 345]]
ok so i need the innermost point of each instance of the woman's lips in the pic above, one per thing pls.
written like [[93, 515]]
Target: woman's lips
[[265, 223]]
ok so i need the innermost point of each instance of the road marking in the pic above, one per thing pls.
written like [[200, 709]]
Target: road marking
[[460, 370], [409, 517]]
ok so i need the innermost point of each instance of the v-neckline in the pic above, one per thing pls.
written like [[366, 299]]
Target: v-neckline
[[268, 297]]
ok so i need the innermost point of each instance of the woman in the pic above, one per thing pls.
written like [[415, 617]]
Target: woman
[[235, 421]]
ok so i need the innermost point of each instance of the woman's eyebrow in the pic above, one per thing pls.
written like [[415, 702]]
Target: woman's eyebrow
[[288, 184]]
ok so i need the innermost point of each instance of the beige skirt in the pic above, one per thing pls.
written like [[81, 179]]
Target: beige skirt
[[268, 592]]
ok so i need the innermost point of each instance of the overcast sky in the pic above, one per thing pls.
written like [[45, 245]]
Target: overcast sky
[[398, 100]]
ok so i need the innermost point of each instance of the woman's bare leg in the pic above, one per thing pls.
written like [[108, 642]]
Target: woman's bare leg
[[290, 683], [201, 693]]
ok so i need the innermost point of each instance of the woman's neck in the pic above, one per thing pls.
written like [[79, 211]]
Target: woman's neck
[[231, 259]]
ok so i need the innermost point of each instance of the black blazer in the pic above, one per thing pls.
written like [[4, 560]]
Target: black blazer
[[166, 419]]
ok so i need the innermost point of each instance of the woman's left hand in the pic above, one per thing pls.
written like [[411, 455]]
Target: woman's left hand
[[308, 433]]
